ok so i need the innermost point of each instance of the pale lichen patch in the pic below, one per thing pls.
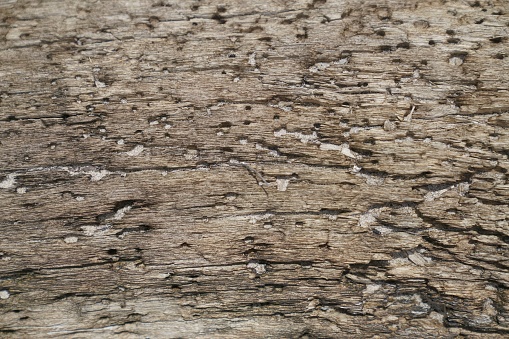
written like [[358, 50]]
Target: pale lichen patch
[[9, 181], [135, 151]]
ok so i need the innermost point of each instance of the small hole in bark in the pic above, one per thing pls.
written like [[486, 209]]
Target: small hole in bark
[[371, 141], [195, 7], [112, 251], [247, 108], [317, 125], [231, 55], [480, 21], [475, 4], [496, 40], [404, 45], [221, 9], [276, 117], [424, 62], [225, 124], [385, 48], [431, 43], [453, 40], [248, 239], [194, 24], [346, 103], [450, 32], [499, 56], [247, 122], [218, 18], [380, 32]]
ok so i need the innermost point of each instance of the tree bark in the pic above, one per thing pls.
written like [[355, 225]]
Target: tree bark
[[254, 169]]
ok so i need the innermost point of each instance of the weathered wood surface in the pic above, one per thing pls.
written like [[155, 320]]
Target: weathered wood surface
[[254, 169]]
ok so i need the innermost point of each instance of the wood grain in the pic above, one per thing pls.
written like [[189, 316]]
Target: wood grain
[[263, 169]]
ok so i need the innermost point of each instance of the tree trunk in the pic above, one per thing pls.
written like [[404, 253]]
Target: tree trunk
[[254, 169]]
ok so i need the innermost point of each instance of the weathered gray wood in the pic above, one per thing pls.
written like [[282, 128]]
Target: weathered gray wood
[[307, 169]]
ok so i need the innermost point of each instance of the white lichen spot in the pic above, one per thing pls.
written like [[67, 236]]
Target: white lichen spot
[[432, 195], [370, 217], [168, 126], [9, 181], [456, 61], [79, 198], [94, 174], [120, 142], [120, 213], [282, 184], [371, 288], [135, 151], [99, 84], [236, 79], [320, 66], [4, 294], [304, 138], [243, 141], [342, 61], [343, 148], [314, 303], [21, 190], [356, 169], [97, 175], [252, 59], [258, 268], [191, 154], [259, 217], [164, 173], [70, 240], [330, 147], [155, 122], [86, 136], [89, 230]]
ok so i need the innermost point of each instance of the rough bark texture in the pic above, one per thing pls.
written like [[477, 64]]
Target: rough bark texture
[[300, 169]]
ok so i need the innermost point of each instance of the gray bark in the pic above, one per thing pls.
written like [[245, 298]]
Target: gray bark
[[297, 169]]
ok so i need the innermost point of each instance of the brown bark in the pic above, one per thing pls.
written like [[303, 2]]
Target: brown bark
[[300, 169]]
